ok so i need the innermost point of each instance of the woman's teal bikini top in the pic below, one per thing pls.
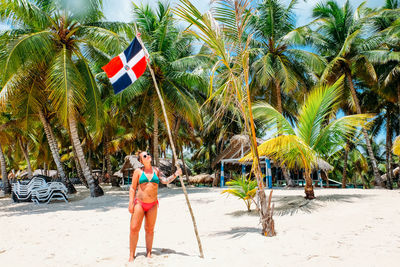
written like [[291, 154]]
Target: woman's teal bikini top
[[143, 178]]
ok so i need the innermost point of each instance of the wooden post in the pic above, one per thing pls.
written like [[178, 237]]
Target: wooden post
[[269, 172], [173, 149], [222, 174]]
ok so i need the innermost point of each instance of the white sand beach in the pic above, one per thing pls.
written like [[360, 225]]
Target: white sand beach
[[350, 227]]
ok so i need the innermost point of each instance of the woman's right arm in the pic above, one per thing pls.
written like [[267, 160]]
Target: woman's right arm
[[132, 190]]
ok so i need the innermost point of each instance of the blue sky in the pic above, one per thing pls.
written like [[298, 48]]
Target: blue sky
[[120, 9]]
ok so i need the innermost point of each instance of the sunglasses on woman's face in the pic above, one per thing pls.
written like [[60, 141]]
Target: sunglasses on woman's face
[[147, 155]]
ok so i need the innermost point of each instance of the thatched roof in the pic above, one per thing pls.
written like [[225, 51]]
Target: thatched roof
[[118, 174], [50, 173], [166, 166], [131, 163], [239, 145], [203, 178], [395, 172], [323, 165]]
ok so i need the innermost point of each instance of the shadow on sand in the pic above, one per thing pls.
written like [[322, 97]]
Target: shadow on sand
[[161, 251], [237, 232], [289, 205], [113, 198]]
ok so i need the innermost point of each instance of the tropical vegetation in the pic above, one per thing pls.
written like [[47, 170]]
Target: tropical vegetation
[[326, 90], [243, 188]]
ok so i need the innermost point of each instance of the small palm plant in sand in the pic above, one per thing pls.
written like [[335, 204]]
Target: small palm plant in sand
[[315, 134], [243, 188]]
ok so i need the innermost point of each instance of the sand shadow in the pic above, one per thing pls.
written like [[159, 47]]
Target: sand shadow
[[290, 205], [113, 198], [171, 192], [161, 251], [240, 213], [237, 232], [76, 202]]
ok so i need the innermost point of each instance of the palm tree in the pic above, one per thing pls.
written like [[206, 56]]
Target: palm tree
[[58, 32], [315, 134], [3, 167], [29, 101], [279, 65], [338, 38], [230, 76], [356, 166], [387, 59], [177, 70]]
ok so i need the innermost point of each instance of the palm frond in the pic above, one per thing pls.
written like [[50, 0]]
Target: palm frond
[[66, 85], [320, 103]]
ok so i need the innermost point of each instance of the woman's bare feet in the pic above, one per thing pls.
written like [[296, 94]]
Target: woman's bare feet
[[148, 254], [131, 258]]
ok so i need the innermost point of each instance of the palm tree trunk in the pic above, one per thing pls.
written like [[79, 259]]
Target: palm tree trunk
[[265, 210], [346, 155], [364, 182], [156, 156], [78, 168], [89, 160], [54, 152], [209, 157], [26, 156], [175, 138], [113, 180], [103, 165], [184, 165], [308, 189], [95, 189], [45, 168], [389, 177], [6, 183], [378, 180], [288, 179]]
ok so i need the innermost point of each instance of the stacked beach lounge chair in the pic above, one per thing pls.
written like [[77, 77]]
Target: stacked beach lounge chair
[[38, 190]]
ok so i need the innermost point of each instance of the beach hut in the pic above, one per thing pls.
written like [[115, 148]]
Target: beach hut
[[239, 146], [50, 173], [131, 163], [202, 179], [396, 171]]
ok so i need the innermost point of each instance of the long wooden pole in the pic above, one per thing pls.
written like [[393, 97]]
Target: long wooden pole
[[173, 151]]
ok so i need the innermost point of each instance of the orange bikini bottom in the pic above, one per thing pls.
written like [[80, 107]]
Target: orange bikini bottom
[[146, 206]]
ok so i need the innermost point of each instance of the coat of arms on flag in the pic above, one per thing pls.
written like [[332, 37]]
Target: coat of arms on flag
[[127, 67]]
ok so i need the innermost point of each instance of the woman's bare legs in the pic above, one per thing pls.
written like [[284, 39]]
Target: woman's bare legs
[[150, 221], [136, 223]]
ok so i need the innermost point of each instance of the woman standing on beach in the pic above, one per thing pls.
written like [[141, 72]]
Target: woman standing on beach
[[144, 203]]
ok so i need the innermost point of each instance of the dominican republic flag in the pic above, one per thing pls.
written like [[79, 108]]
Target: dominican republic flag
[[127, 67]]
